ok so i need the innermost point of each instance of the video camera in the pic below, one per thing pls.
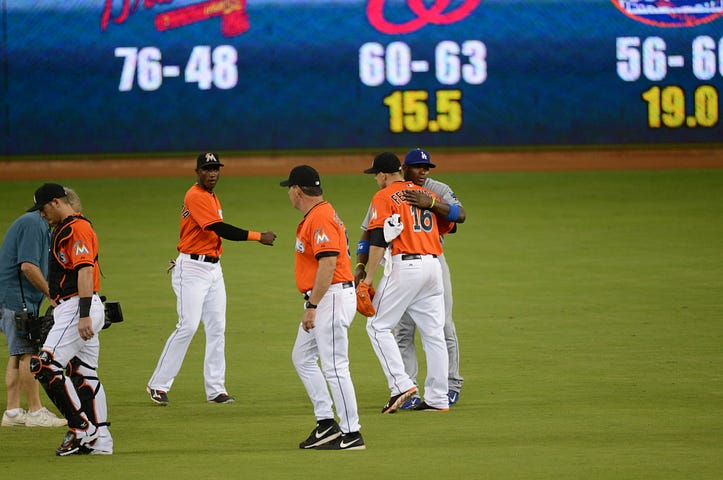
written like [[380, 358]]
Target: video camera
[[113, 313], [36, 329]]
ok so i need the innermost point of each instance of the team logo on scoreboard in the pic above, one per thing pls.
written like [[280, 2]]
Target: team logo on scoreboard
[[234, 18], [437, 12], [671, 13]]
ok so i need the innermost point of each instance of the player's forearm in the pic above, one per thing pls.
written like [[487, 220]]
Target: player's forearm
[[322, 281], [362, 256], [375, 256], [229, 232], [85, 281], [453, 213]]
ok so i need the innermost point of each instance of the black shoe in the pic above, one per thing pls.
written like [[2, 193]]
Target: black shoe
[[397, 401], [69, 446], [323, 433], [222, 398], [72, 444], [158, 396], [428, 408], [347, 441]]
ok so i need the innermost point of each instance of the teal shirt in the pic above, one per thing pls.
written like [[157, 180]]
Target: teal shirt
[[27, 240]]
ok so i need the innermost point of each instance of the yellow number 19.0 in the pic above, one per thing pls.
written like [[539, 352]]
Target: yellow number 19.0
[[666, 107]]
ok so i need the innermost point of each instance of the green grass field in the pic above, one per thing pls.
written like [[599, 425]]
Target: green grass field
[[588, 306]]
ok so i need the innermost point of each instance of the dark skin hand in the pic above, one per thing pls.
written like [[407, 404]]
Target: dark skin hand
[[417, 174]]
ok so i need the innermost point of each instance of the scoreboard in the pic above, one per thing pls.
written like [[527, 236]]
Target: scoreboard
[[85, 77]]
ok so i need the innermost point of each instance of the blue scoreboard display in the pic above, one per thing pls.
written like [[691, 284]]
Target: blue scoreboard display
[[85, 77]]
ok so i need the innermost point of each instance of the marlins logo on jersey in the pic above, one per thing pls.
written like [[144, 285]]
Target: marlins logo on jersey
[[80, 248], [320, 236]]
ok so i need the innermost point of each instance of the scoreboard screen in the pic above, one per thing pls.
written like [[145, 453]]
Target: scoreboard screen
[[85, 77]]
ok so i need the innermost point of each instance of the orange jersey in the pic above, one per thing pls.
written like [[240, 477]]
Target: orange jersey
[[201, 208], [422, 228], [321, 231], [74, 245]]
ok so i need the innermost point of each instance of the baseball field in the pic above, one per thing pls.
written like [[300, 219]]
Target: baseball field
[[587, 303]]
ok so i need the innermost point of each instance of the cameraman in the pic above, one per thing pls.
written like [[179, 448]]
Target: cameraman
[[23, 268]]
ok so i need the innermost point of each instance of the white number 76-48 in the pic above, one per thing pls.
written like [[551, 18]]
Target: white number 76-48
[[207, 67]]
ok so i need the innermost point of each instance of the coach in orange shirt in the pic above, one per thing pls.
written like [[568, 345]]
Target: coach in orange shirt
[[323, 276], [197, 280], [408, 238]]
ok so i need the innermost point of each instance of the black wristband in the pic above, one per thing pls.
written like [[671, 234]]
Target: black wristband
[[84, 306], [308, 304]]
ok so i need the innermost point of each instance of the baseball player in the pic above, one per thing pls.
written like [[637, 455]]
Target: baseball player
[[198, 283], [74, 282], [324, 277], [412, 283], [417, 163]]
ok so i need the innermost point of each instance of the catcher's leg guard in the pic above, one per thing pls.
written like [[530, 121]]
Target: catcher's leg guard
[[90, 392], [50, 375]]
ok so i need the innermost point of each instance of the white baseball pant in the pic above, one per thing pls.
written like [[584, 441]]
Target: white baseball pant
[[328, 343], [415, 287], [406, 328], [200, 297]]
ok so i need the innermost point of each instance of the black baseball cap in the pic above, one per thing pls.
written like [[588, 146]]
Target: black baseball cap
[[206, 159], [302, 176], [385, 162], [46, 194], [418, 157]]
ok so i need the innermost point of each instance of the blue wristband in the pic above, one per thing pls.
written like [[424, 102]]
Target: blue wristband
[[362, 247], [453, 214]]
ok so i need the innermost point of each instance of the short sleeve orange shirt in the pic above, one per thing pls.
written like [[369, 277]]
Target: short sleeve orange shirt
[[321, 230], [421, 227], [201, 208], [74, 244]]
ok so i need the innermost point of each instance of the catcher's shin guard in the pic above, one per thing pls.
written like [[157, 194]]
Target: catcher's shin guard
[[90, 392], [50, 375]]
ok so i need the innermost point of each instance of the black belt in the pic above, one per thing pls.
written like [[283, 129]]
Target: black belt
[[413, 256], [343, 285], [206, 258]]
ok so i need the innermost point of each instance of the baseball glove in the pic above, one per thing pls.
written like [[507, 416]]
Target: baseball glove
[[364, 295]]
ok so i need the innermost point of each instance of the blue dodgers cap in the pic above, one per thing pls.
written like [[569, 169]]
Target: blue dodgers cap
[[418, 157]]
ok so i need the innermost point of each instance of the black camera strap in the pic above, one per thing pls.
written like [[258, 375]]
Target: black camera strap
[[22, 292]]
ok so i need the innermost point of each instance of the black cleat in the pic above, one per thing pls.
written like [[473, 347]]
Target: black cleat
[[397, 401], [158, 396], [72, 444], [222, 398], [347, 441], [428, 408], [325, 432]]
